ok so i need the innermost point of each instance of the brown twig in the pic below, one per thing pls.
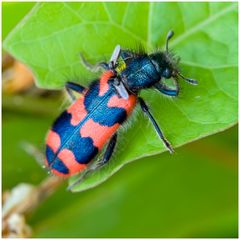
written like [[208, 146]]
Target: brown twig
[[20, 201]]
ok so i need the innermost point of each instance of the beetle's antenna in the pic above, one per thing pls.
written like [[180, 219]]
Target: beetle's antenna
[[189, 80], [169, 36]]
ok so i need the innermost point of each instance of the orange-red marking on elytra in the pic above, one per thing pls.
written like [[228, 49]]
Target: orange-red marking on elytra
[[127, 104], [53, 140], [69, 160], [78, 111], [99, 134], [103, 83]]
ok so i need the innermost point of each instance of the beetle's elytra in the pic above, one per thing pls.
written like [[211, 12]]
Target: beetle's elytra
[[92, 120], [83, 129]]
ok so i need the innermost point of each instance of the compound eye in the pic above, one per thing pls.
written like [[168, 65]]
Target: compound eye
[[166, 73]]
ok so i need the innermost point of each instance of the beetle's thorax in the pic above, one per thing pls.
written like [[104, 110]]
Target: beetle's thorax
[[139, 74]]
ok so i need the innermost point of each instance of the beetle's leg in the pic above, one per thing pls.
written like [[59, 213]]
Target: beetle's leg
[[35, 152], [108, 153], [161, 87], [96, 165], [70, 87], [158, 130], [103, 65], [93, 68]]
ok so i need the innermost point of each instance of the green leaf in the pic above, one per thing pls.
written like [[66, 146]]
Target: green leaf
[[19, 9], [194, 194], [191, 195], [50, 38]]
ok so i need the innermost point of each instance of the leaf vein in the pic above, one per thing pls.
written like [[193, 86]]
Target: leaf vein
[[201, 25]]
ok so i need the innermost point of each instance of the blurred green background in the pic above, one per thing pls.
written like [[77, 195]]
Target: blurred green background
[[191, 194]]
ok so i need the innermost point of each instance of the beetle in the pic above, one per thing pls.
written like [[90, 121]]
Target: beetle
[[93, 119]]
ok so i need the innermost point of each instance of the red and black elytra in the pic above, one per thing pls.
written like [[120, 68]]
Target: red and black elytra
[[83, 129], [92, 120]]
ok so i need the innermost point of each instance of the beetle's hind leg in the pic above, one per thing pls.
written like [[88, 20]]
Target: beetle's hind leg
[[33, 151], [98, 164], [157, 128]]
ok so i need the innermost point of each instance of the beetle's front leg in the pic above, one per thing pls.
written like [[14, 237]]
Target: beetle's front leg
[[96, 165], [161, 87]]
